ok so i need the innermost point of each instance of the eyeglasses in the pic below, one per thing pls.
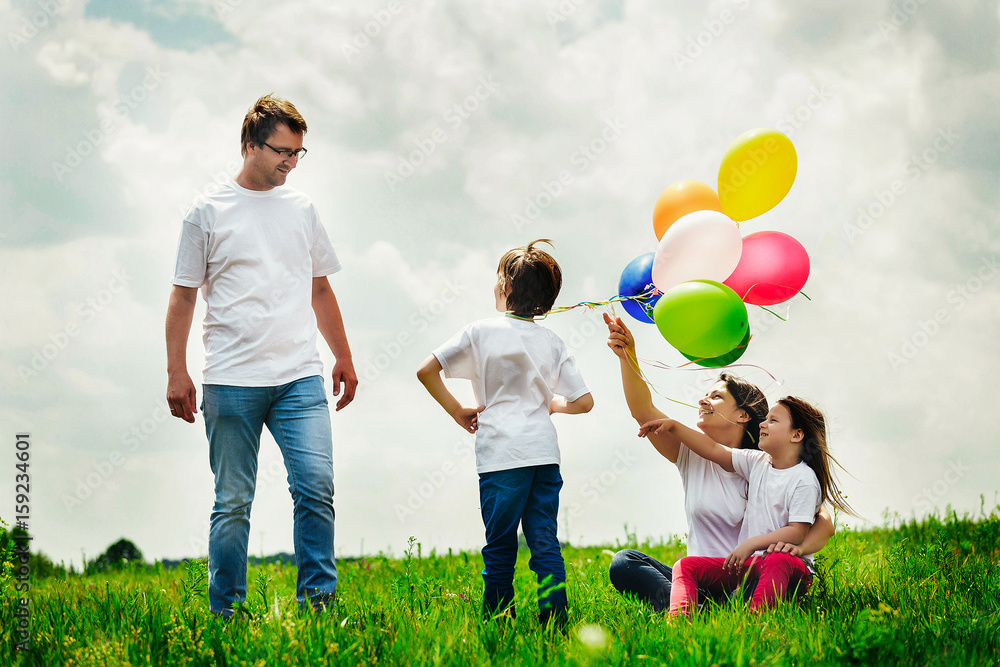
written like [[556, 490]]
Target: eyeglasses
[[298, 153]]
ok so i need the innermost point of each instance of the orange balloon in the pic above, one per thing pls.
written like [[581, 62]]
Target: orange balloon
[[681, 198]]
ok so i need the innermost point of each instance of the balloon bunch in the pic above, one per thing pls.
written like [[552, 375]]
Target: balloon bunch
[[696, 285]]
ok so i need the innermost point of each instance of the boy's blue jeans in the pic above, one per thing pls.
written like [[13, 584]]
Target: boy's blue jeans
[[528, 497], [298, 416]]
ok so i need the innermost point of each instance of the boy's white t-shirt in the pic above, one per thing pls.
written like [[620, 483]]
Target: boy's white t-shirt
[[516, 367], [254, 254], [715, 501], [776, 498]]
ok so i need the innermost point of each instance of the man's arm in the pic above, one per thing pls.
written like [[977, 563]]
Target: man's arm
[[637, 396], [331, 325], [181, 393]]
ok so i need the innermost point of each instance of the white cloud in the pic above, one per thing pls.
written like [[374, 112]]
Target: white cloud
[[863, 107]]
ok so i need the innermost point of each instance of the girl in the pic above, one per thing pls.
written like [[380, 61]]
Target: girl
[[521, 373], [714, 500], [789, 479]]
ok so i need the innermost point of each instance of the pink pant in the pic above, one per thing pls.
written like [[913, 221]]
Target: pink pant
[[776, 574]]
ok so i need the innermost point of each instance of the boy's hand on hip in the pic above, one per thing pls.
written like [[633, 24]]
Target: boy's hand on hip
[[468, 418]]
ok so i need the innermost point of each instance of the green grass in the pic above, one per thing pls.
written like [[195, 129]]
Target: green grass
[[910, 593]]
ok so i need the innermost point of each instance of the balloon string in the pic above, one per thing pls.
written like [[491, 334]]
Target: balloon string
[[634, 364], [618, 298]]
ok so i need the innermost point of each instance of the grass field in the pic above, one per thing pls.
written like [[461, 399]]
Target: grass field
[[922, 593]]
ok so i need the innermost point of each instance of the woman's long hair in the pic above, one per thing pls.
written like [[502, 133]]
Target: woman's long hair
[[751, 400], [815, 452]]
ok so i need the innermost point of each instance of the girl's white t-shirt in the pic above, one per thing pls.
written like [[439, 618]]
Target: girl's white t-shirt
[[714, 503], [254, 255], [516, 367], [776, 498]]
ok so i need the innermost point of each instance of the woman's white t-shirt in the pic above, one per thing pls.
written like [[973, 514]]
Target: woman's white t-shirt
[[714, 503], [254, 254], [516, 367]]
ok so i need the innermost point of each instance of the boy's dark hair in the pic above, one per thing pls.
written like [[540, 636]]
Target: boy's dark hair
[[531, 278], [264, 115], [751, 400]]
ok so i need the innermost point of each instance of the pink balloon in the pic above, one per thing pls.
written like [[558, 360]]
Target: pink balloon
[[703, 245], [773, 268]]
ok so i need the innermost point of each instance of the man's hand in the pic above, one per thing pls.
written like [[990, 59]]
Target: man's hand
[[344, 375], [181, 396]]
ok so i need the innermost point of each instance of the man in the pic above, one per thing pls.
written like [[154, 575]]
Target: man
[[261, 257]]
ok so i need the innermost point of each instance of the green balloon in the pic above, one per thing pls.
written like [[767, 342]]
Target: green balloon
[[725, 359], [701, 318]]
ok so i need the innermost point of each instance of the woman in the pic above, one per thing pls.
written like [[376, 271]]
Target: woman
[[714, 500]]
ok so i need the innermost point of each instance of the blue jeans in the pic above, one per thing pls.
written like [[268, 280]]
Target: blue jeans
[[633, 572], [528, 497], [298, 417]]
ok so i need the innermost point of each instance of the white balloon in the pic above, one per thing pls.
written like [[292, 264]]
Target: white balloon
[[703, 245]]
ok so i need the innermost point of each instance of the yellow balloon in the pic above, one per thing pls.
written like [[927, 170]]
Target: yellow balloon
[[757, 172]]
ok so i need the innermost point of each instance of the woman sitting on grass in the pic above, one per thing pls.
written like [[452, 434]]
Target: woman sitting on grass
[[714, 500], [789, 479]]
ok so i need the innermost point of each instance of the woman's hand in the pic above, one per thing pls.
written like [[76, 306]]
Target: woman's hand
[[784, 548], [656, 427], [620, 338]]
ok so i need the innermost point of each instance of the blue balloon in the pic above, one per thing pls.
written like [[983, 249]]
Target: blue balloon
[[637, 278]]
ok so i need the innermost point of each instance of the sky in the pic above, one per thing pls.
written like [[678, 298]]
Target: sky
[[442, 134]]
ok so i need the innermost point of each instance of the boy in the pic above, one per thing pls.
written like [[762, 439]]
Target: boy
[[521, 373]]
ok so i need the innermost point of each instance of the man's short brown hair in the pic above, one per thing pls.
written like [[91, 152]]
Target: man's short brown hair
[[531, 278], [264, 115]]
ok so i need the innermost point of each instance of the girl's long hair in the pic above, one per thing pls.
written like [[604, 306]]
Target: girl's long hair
[[815, 452]]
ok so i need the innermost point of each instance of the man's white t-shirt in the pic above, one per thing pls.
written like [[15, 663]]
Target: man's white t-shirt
[[254, 254], [516, 367], [776, 498], [715, 501]]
